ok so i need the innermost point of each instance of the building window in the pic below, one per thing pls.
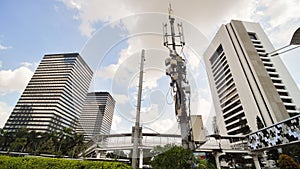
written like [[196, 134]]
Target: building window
[[216, 54], [252, 36]]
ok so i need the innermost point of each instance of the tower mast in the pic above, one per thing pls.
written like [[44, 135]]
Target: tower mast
[[176, 69]]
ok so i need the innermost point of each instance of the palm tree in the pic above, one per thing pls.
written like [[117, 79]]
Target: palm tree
[[6, 139], [19, 139], [32, 142], [44, 140], [64, 138], [77, 144]]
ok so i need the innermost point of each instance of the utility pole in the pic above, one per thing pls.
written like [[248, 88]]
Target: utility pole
[[137, 130], [176, 69]]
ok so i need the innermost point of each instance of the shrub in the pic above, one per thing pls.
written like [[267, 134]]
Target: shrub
[[55, 163], [286, 162]]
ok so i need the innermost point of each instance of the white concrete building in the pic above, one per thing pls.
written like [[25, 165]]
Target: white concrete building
[[250, 90]]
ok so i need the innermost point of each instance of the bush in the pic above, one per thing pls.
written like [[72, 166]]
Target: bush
[[55, 163]]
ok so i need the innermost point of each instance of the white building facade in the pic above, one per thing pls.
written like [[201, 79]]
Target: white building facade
[[250, 89]]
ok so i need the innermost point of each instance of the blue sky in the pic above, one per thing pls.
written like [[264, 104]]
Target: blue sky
[[111, 34], [29, 30], [33, 28]]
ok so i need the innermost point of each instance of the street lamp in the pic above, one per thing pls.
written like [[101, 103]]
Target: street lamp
[[294, 41], [296, 37]]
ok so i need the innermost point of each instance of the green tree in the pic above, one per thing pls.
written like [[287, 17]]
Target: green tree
[[5, 139], [44, 141], [32, 142], [286, 162], [205, 164], [65, 143], [20, 140], [78, 144], [19, 144], [175, 158], [161, 149], [64, 139], [47, 147]]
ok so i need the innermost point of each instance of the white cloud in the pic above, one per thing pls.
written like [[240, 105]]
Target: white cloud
[[207, 16], [14, 80], [99, 10], [115, 123], [92, 11], [164, 126], [281, 11], [27, 64], [120, 99], [5, 111], [2, 47], [278, 18], [108, 71]]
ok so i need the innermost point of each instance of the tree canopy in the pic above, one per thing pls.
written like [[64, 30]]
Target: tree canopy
[[63, 143], [286, 162], [176, 157]]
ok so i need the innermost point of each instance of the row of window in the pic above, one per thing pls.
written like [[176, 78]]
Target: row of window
[[228, 96], [278, 83]]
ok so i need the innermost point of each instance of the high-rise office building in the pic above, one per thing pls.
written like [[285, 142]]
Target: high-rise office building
[[97, 114], [54, 97], [250, 89]]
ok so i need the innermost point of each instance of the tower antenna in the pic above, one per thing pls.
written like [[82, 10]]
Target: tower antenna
[[170, 10], [176, 69]]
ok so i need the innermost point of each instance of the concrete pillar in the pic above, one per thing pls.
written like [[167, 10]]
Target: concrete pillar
[[217, 155], [98, 154], [141, 158], [217, 162], [256, 162]]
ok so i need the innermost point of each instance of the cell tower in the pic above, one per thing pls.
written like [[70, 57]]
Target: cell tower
[[176, 69]]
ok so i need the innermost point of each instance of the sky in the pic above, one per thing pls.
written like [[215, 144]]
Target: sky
[[110, 35]]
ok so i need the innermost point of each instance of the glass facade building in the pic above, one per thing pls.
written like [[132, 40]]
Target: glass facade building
[[250, 89], [55, 95], [97, 114]]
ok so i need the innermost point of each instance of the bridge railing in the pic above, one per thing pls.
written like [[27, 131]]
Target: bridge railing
[[280, 134], [125, 140]]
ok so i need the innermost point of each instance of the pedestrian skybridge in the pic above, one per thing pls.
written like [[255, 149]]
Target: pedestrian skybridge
[[277, 135], [124, 141]]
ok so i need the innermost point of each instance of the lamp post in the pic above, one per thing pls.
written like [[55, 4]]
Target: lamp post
[[137, 130], [295, 41]]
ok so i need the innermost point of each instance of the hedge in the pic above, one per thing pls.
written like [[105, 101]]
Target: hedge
[[7, 162]]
